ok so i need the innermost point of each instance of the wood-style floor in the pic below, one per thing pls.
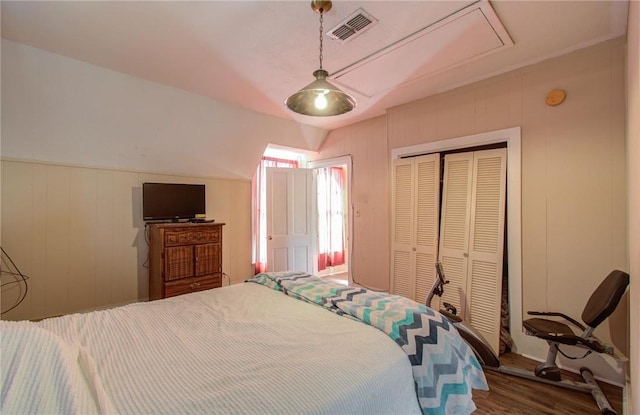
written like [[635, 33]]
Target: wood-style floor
[[516, 396]]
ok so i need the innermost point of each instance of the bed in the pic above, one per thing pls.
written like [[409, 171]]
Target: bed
[[280, 343]]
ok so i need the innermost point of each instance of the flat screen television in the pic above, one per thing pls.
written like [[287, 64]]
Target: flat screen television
[[172, 201]]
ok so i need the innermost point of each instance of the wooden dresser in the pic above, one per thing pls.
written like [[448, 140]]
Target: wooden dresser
[[183, 258]]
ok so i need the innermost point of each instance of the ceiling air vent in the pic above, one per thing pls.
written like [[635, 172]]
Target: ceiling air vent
[[353, 25]]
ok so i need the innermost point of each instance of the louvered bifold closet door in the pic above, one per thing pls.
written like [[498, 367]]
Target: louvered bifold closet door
[[427, 170], [486, 243], [402, 231], [454, 227], [415, 210]]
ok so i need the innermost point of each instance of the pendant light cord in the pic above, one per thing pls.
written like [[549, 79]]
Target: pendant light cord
[[321, 20]]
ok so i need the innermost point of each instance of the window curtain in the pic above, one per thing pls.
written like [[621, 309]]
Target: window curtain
[[331, 217], [259, 222]]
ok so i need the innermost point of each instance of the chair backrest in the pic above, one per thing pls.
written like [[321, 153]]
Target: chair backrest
[[605, 298]]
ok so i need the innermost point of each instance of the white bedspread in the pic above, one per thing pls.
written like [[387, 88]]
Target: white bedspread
[[239, 349], [43, 374]]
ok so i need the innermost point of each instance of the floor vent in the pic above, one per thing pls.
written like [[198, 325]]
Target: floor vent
[[353, 25]]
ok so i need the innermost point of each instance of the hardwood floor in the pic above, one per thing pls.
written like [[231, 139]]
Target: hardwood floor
[[516, 396]]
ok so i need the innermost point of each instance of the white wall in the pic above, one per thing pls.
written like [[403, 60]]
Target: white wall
[[61, 110]]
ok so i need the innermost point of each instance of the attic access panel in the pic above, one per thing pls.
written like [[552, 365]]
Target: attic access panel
[[470, 33]]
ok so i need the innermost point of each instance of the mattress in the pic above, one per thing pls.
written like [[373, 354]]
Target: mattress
[[242, 349]]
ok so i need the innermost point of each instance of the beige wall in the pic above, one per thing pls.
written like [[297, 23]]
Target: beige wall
[[573, 169], [633, 165], [367, 144], [78, 234]]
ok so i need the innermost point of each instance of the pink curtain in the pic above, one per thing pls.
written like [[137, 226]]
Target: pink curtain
[[258, 189], [331, 217]]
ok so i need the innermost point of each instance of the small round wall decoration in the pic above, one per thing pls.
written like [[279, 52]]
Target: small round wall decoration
[[555, 97]]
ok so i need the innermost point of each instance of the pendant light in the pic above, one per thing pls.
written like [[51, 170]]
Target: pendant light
[[320, 98]]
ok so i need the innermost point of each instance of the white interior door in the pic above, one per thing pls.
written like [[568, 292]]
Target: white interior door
[[486, 243], [454, 227], [290, 219], [415, 212], [402, 229], [472, 237]]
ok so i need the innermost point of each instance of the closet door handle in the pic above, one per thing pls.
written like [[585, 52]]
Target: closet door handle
[[466, 255]]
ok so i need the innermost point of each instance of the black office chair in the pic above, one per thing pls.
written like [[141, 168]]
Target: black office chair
[[601, 304]]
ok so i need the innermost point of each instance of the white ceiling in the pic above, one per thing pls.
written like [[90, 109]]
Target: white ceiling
[[256, 53]]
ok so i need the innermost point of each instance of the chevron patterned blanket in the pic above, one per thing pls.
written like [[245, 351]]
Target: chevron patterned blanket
[[445, 370]]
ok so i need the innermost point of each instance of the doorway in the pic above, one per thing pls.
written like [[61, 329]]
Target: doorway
[[331, 202], [332, 216], [333, 179]]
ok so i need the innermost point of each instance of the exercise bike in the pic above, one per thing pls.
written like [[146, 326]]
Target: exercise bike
[[601, 304]]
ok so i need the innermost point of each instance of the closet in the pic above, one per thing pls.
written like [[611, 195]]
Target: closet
[[465, 232]]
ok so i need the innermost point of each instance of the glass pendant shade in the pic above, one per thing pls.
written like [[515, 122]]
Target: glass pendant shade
[[320, 98]]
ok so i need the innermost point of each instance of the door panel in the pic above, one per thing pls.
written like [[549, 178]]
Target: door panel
[[178, 262], [472, 236], [486, 243], [454, 226], [415, 212], [290, 223], [208, 259]]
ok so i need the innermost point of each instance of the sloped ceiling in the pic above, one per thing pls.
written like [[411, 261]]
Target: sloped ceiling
[[254, 54]]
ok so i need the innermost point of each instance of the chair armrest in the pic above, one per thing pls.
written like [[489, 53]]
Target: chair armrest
[[554, 314], [595, 344]]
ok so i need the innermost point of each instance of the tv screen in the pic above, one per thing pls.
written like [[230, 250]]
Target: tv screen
[[163, 201]]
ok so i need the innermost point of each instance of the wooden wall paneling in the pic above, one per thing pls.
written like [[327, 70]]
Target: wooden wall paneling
[[38, 241], [237, 253], [579, 189], [140, 242], [78, 233], [481, 106], [534, 193], [57, 251], [428, 116], [363, 233], [367, 144], [618, 153], [82, 208], [124, 239], [493, 109], [515, 101], [218, 201], [456, 113], [381, 205], [105, 228], [17, 196], [619, 320]]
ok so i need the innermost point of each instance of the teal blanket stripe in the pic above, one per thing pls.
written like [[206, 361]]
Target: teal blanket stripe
[[445, 369]]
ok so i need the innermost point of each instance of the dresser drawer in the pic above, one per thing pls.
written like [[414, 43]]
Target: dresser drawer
[[189, 285], [185, 237]]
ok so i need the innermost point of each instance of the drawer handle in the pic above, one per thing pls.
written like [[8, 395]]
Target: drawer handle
[[194, 285]]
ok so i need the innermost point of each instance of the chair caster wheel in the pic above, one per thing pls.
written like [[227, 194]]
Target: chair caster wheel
[[550, 373]]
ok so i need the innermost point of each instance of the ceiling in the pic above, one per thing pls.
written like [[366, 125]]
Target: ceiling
[[256, 53]]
